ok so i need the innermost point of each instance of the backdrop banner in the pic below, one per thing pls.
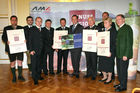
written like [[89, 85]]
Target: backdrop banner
[[57, 10]]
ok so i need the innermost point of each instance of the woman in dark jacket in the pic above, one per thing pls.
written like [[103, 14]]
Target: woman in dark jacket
[[106, 63]]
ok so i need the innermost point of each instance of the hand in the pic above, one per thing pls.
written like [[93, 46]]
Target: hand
[[109, 55], [8, 42], [124, 58], [56, 50], [32, 52], [25, 41]]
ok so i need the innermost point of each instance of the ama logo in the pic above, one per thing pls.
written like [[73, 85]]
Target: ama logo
[[41, 9]]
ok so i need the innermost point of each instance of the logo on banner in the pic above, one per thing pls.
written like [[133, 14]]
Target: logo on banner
[[41, 9]]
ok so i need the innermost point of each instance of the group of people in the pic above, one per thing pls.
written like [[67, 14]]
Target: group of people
[[40, 46]]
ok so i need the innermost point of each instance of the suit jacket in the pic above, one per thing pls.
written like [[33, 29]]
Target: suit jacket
[[35, 40], [124, 42], [113, 35], [78, 29], [27, 31], [101, 26], [5, 38], [48, 39], [60, 28], [93, 28]]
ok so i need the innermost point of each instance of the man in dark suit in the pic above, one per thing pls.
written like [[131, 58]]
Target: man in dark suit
[[124, 51], [16, 56], [29, 21], [91, 57], [48, 33], [36, 45], [76, 28], [101, 27], [62, 53]]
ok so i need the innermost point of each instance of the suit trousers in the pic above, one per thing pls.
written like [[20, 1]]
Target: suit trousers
[[62, 54], [122, 70], [36, 66], [75, 58], [91, 59]]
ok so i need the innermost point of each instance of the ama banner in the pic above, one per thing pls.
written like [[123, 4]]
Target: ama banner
[[57, 10]]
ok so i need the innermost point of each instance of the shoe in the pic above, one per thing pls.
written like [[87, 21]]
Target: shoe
[[93, 78], [71, 75], [52, 73], [35, 82], [66, 73], [14, 80], [77, 76], [41, 78], [108, 82], [86, 76], [102, 80], [113, 77], [58, 72], [46, 74], [101, 74], [116, 86], [21, 78], [120, 89]]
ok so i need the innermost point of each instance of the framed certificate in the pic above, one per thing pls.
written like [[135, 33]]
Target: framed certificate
[[17, 41], [103, 43], [90, 40], [57, 43]]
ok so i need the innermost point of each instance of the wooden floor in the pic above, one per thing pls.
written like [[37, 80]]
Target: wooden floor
[[58, 84]]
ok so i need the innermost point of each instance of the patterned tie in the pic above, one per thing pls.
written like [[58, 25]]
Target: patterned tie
[[73, 27]]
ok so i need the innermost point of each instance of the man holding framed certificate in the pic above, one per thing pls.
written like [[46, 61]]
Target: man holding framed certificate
[[14, 56], [91, 57], [62, 54]]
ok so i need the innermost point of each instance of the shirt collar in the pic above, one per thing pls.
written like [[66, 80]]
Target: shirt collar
[[75, 24], [48, 28], [38, 27], [91, 26], [122, 25], [29, 26], [63, 27]]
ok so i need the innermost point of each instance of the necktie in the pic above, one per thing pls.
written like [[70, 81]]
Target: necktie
[[73, 27]]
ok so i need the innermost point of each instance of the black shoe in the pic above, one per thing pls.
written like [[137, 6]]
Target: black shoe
[[52, 73], [21, 78], [113, 77], [41, 78], [46, 74], [93, 78], [116, 86], [14, 80], [71, 75], [86, 76], [58, 72], [101, 74], [77, 76], [108, 82], [103, 80], [120, 89], [35, 82], [66, 73]]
